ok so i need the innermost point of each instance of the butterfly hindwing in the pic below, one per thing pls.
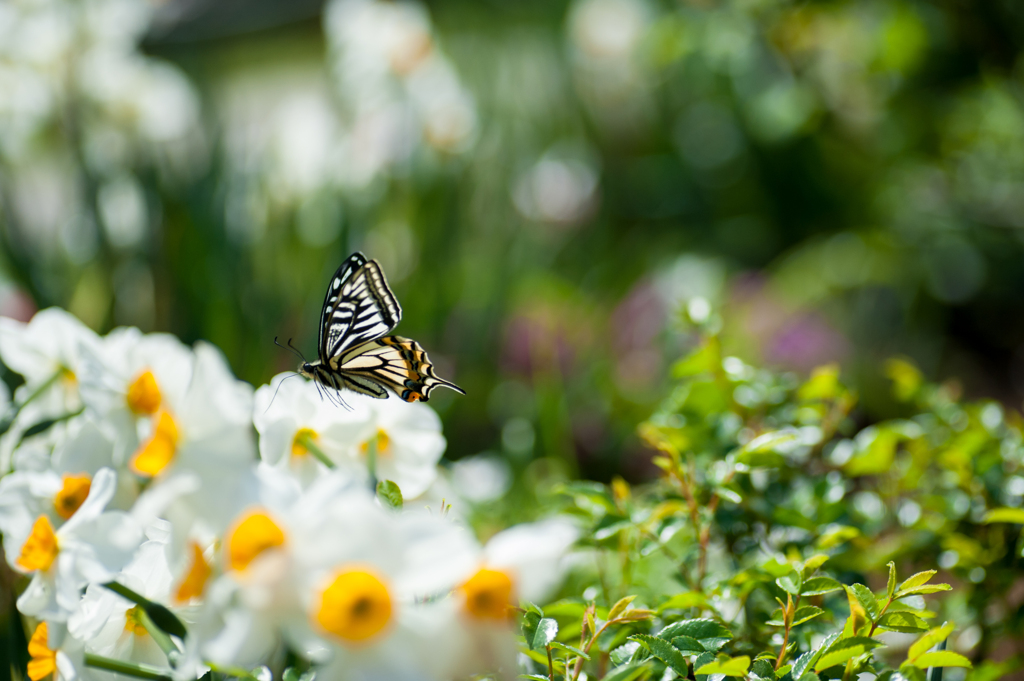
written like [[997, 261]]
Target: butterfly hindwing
[[359, 307], [398, 363]]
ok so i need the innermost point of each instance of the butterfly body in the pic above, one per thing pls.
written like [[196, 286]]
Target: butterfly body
[[354, 352]]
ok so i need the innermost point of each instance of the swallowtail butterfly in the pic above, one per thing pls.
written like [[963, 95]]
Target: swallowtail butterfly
[[354, 352]]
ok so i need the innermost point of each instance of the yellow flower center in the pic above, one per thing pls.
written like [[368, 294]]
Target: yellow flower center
[[488, 595], [133, 622], [40, 549], [72, 495], [144, 394], [355, 606], [299, 447], [382, 440], [251, 536], [195, 580], [44, 660], [154, 456], [69, 377]]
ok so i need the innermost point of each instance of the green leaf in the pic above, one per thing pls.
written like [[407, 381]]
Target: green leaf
[[166, 620], [813, 563], [866, 599], [531, 607], [790, 583], [1005, 515], [547, 629], [533, 677], [903, 622], [688, 645], [763, 669], [846, 649], [570, 649], [890, 588], [688, 599], [911, 673], [620, 607], [530, 621], [941, 658], [917, 580], [922, 590], [627, 672], [816, 586], [730, 666], [702, 660], [710, 633], [389, 494], [806, 613], [807, 660], [929, 640], [293, 674], [664, 651]]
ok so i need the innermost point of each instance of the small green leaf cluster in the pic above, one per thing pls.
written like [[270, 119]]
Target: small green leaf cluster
[[771, 544]]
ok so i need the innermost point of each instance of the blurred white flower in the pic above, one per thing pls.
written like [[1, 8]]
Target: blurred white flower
[[47, 352], [286, 412], [481, 478], [91, 547], [558, 190]]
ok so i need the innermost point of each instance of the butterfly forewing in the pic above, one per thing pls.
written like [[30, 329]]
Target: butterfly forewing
[[360, 309], [396, 362]]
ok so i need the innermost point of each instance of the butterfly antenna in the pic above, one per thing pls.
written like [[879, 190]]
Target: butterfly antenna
[[290, 347], [279, 389], [296, 350]]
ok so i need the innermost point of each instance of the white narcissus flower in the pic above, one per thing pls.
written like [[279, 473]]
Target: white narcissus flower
[[292, 414], [129, 379], [91, 547], [47, 352], [111, 625], [408, 442], [526, 562], [200, 447], [54, 652]]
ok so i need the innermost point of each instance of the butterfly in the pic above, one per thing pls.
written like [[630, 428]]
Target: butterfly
[[354, 353]]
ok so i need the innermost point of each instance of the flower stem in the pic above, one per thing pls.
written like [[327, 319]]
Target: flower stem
[[171, 651], [139, 671], [15, 409], [307, 441], [371, 462]]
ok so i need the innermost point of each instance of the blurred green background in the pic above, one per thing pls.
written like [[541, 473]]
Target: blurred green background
[[553, 189]]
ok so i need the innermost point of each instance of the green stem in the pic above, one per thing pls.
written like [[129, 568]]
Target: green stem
[[171, 651], [551, 666], [139, 671], [125, 592], [307, 441], [15, 409], [371, 461]]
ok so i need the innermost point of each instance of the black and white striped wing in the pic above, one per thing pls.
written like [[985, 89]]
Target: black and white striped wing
[[359, 307], [394, 362]]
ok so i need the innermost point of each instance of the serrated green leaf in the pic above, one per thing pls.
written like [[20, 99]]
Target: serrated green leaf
[[917, 580], [547, 629], [763, 669], [929, 640], [1005, 515], [790, 583], [664, 651], [845, 649], [941, 658], [620, 607], [530, 621], [903, 622], [688, 645], [730, 666], [890, 588], [806, 613], [709, 633], [807, 660], [816, 586], [866, 599], [389, 494], [700, 662]]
